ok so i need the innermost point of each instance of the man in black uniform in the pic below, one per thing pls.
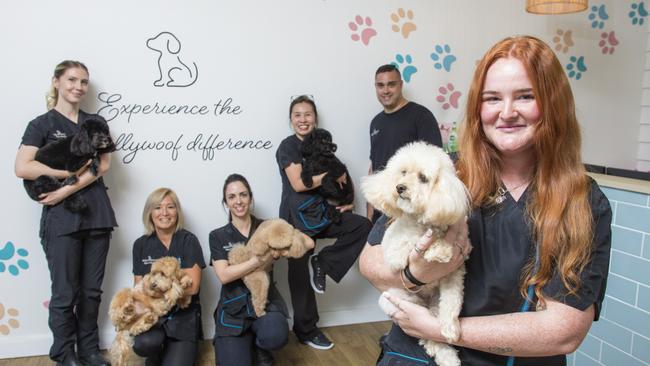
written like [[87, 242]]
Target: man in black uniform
[[399, 123]]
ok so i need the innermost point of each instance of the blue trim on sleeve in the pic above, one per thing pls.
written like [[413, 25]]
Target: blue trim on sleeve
[[408, 357]]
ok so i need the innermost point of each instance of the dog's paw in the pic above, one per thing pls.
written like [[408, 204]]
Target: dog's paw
[[450, 330], [439, 252], [386, 306]]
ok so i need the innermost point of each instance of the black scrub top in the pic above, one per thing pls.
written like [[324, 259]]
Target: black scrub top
[[181, 324], [306, 211], [56, 220], [235, 317], [502, 240]]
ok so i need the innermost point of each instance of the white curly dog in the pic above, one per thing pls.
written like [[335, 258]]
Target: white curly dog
[[419, 190]]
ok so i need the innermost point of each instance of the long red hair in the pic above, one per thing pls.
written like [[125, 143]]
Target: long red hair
[[558, 204]]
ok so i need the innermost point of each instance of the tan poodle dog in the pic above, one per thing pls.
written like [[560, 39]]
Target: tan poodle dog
[[134, 311], [275, 238], [419, 190]]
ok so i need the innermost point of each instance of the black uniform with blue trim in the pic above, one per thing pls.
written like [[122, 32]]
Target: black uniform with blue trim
[[502, 240], [236, 326], [306, 211], [234, 313], [181, 324], [76, 246]]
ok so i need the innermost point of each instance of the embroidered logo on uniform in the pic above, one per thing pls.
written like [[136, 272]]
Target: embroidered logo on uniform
[[374, 133], [59, 135], [148, 261], [228, 246]]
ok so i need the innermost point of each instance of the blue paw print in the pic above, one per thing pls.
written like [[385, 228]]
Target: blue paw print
[[598, 16], [576, 67], [441, 60], [409, 69], [7, 253], [638, 13]]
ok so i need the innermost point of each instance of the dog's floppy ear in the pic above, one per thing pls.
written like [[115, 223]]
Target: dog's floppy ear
[[379, 191], [173, 44], [259, 241], [452, 198], [300, 244], [306, 147], [80, 144]]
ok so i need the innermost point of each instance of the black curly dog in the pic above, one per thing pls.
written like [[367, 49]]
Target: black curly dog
[[71, 154], [318, 157]]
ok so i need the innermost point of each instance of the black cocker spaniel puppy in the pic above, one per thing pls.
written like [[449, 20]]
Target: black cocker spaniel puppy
[[318, 157], [71, 154]]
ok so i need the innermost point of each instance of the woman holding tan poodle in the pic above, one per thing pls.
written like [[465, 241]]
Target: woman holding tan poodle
[[239, 331], [540, 226], [75, 243], [174, 339], [306, 210]]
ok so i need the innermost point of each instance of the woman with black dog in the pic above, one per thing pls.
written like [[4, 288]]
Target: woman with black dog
[[239, 331], [75, 243], [174, 339], [304, 208]]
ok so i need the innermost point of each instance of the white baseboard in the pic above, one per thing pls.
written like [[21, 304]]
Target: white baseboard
[[38, 345]]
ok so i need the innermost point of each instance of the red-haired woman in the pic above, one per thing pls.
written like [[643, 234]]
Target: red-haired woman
[[540, 226]]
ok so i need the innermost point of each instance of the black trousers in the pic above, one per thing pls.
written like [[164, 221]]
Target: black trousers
[[351, 234], [269, 332], [76, 264], [159, 349]]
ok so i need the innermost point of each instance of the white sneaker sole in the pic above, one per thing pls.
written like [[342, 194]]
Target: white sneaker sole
[[316, 346], [316, 290]]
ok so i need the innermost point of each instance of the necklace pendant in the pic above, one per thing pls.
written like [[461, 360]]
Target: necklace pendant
[[501, 196]]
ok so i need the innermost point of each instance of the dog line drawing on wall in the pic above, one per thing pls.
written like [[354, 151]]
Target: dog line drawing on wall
[[172, 71]]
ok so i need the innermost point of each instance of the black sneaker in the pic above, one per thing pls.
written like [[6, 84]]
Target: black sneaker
[[316, 275], [263, 357], [319, 341]]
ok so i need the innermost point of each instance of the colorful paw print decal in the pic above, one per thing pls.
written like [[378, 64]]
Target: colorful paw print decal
[[638, 13], [8, 319], [403, 22], [404, 63], [598, 15], [362, 29], [11, 260], [442, 57], [563, 40], [608, 42], [576, 67], [448, 96]]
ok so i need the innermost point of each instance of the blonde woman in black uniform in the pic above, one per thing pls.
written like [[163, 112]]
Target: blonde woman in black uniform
[[174, 339], [75, 244]]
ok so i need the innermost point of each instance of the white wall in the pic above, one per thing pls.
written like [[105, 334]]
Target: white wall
[[260, 54]]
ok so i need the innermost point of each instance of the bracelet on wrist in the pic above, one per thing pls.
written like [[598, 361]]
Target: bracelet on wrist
[[411, 278], [414, 289]]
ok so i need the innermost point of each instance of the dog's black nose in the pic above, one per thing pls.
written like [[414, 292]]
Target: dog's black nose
[[400, 188]]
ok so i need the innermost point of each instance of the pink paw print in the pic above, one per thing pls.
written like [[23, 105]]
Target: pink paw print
[[448, 97], [367, 32], [608, 42]]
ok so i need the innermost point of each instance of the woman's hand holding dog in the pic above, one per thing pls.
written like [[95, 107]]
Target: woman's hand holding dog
[[55, 197], [415, 320], [426, 271]]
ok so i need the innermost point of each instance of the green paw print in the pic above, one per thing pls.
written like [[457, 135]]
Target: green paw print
[[9, 252]]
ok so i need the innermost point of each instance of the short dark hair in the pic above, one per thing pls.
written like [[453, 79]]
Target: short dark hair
[[235, 178], [388, 68]]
